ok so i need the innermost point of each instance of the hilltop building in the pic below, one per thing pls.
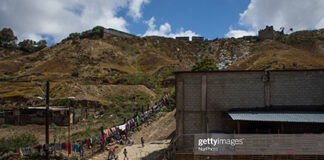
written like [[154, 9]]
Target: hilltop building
[[196, 38], [267, 33], [115, 33], [183, 38], [105, 33]]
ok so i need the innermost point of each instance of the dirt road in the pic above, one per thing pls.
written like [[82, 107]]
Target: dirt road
[[156, 137]]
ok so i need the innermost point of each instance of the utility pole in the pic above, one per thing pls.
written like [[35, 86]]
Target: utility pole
[[70, 121], [69, 129], [46, 121]]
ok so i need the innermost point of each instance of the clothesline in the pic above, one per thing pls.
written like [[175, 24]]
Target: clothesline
[[113, 132]]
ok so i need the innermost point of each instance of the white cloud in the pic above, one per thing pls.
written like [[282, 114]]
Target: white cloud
[[165, 30], [57, 18], [135, 8], [239, 33], [296, 14]]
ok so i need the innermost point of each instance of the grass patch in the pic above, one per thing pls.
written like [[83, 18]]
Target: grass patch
[[17, 141]]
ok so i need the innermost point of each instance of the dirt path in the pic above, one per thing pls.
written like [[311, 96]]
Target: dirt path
[[156, 137], [139, 152]]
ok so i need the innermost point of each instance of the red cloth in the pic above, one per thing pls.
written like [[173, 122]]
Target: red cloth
[[69, 146], [113, 149], [35, 147], [66, 146], [88, 141], [19, 152], [102, 139]]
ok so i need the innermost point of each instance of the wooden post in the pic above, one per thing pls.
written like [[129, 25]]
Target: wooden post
[[46, 121], [282, 127], [238, 126]]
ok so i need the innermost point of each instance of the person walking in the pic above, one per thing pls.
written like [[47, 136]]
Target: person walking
[[125, 154], [142, 140]]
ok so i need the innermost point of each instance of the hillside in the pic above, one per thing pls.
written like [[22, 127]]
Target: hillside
[[121, 76], [276, 55], [91, 69]]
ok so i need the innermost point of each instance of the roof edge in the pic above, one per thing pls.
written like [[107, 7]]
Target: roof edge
[[278, 70]]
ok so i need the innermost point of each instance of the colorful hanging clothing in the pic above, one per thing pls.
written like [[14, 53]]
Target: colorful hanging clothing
[[122, 127], [137, 118], [63, 146], [75, 147], [88, 142], [107, 134], [58, 146], [102, 139], [19, 152], [66, 146], [69, 147]]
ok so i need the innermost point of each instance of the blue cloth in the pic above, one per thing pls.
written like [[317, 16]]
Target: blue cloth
[[75, 147]]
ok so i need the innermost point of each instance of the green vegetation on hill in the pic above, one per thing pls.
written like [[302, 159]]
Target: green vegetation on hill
[[141, 78], [206, 64], [8, 40], [16, 141]]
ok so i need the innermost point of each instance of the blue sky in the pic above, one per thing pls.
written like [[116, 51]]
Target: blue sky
[[54, 20], [210, 18]]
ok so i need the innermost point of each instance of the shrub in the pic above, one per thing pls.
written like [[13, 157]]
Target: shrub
[[141, 78], [74, 36], [61, 102], [206, 64], [31, 46], [7, 38], [97, 30]]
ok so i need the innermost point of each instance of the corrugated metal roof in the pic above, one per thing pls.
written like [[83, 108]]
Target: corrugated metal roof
[[279, 116]]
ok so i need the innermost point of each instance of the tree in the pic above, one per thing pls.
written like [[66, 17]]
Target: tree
[[7, 38], [206, 64], [97, 29], [74, 36], [27, 45], [41, 44], [31, 46]]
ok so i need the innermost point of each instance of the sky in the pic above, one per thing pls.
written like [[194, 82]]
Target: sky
[[54, 20]]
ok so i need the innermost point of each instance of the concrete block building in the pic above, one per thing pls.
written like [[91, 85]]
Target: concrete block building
[[247, 102]]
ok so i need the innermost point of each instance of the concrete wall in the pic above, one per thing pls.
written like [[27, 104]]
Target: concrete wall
[[115, 33], [195, 38], [183, 38], [204, 98]]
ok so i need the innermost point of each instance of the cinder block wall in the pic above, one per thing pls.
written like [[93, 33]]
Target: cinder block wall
[[204, 98]]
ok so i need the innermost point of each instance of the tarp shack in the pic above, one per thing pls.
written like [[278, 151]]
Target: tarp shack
[[36, 115]]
